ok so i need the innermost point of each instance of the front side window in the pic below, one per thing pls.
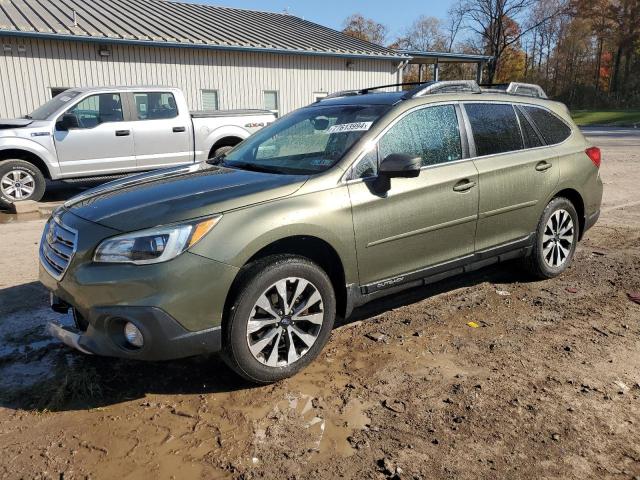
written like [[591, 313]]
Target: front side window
[[307, 141], [155, 105], [430, 133], [97, 109], [551, 127], [495, 128]]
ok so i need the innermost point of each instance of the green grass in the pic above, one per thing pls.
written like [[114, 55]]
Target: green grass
[[618, 118]]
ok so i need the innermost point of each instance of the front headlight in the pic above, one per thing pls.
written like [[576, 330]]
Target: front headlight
[[154, 245]]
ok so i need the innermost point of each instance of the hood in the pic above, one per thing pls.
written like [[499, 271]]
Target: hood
[[177, 194], [15, 123]]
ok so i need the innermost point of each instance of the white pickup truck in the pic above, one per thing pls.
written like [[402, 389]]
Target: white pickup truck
[[95, 132]]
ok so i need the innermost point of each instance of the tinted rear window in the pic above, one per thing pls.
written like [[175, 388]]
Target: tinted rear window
[[495, 128], [551, 127]]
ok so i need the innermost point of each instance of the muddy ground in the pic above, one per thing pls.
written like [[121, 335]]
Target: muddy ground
[[547, 386]]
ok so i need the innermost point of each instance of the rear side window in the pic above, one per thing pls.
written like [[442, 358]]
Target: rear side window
[[495, 128], [529, 134], [551, 127], [430, 133], [155, 105]]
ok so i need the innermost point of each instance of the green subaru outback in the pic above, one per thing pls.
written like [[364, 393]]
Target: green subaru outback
[[356, 196]]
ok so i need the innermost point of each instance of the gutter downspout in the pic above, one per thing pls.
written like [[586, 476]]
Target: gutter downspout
[[399, 73]]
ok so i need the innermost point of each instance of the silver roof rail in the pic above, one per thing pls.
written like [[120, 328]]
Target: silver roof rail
[[446, 86], [526, 89]]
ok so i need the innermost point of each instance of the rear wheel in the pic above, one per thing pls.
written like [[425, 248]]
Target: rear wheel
[[282, 318], [556, 240], [20, 181]]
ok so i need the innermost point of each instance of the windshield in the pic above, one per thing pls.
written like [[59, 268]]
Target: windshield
[[45, 111], [307, 141]]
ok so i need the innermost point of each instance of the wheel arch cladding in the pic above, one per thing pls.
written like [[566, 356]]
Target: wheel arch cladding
[[32, 158], [576, 199], [312, 248]]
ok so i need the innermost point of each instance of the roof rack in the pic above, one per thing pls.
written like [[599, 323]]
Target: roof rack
[[445, 86], [364, 91], [516, 88]]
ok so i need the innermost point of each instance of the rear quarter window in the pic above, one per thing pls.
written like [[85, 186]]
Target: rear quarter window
[[553, 129]]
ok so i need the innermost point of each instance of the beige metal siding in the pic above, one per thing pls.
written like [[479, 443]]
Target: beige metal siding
[[30, 67]]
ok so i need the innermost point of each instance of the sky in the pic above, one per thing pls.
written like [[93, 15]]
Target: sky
[[332, 13]]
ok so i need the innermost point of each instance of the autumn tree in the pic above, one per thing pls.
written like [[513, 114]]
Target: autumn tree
[[366, 29]]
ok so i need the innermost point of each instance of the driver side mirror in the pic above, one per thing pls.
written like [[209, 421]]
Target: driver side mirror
[[398, 165], [67, 122]]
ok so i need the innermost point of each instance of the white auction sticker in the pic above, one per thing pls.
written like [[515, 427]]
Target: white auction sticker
[[350, 127]]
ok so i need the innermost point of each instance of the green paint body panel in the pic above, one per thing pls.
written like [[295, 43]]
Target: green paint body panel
[[418, 223]]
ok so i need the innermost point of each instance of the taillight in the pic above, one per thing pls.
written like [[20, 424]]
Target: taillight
[[594, 154]]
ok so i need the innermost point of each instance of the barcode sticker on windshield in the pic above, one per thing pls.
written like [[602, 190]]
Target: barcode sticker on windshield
[[350, 127]]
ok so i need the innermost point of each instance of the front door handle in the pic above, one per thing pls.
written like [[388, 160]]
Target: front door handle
[[123, 133], [464, 185], [179, 129], [542, 166]]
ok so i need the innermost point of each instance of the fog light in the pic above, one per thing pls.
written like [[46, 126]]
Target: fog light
[[133, 335]]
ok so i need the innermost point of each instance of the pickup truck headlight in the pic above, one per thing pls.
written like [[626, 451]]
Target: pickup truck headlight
[[154, 245]]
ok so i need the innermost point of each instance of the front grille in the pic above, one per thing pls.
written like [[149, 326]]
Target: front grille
[[57, 247]]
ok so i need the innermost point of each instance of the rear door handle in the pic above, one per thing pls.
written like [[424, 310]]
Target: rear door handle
[[464, 185], [179, 129], [542, 166], [123, 133]]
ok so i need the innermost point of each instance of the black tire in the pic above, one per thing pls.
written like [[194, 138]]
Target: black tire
[[536, 264], [17, 166], [252, 283]]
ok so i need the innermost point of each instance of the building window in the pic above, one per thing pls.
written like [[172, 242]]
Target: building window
[[272, 101], [55, 91], [210, 100], [317, 96]]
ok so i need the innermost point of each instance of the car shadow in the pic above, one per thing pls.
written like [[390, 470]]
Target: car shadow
[[73, 381]]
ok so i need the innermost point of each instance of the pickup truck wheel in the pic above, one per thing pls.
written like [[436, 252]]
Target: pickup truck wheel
[[19, 181], [556, 240], [281, 319]]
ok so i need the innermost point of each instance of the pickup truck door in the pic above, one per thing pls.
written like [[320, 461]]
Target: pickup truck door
[[420, 222], [98, 137], [162, 132]]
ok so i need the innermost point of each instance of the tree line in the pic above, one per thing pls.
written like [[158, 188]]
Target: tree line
[[583, 52]]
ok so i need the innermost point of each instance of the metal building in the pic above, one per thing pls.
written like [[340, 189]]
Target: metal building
[[222, 58]]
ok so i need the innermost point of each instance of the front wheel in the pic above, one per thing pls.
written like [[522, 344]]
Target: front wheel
[[20, 181], [556, 240], [281, 319]]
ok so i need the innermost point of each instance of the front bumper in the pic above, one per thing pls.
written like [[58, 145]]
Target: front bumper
[[164, 338], [178, 305]]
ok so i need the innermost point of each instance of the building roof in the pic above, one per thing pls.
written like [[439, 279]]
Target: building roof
[[171, 23]]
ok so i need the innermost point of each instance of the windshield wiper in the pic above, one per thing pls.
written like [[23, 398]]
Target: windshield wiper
[[28, 117], [251, 166], [217, 160]]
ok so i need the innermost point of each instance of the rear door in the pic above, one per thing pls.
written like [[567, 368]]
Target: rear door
[[162, 132], [516, 171], [419, 222], [100, 142]]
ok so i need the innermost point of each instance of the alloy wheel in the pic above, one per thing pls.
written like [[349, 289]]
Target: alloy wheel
[[558, 238], [17, 185], [285, 322]]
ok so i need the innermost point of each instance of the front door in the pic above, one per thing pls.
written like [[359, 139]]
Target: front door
[[100, 140], [419, 222]]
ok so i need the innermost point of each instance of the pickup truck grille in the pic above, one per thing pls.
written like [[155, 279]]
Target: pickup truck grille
[[57, 247]]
